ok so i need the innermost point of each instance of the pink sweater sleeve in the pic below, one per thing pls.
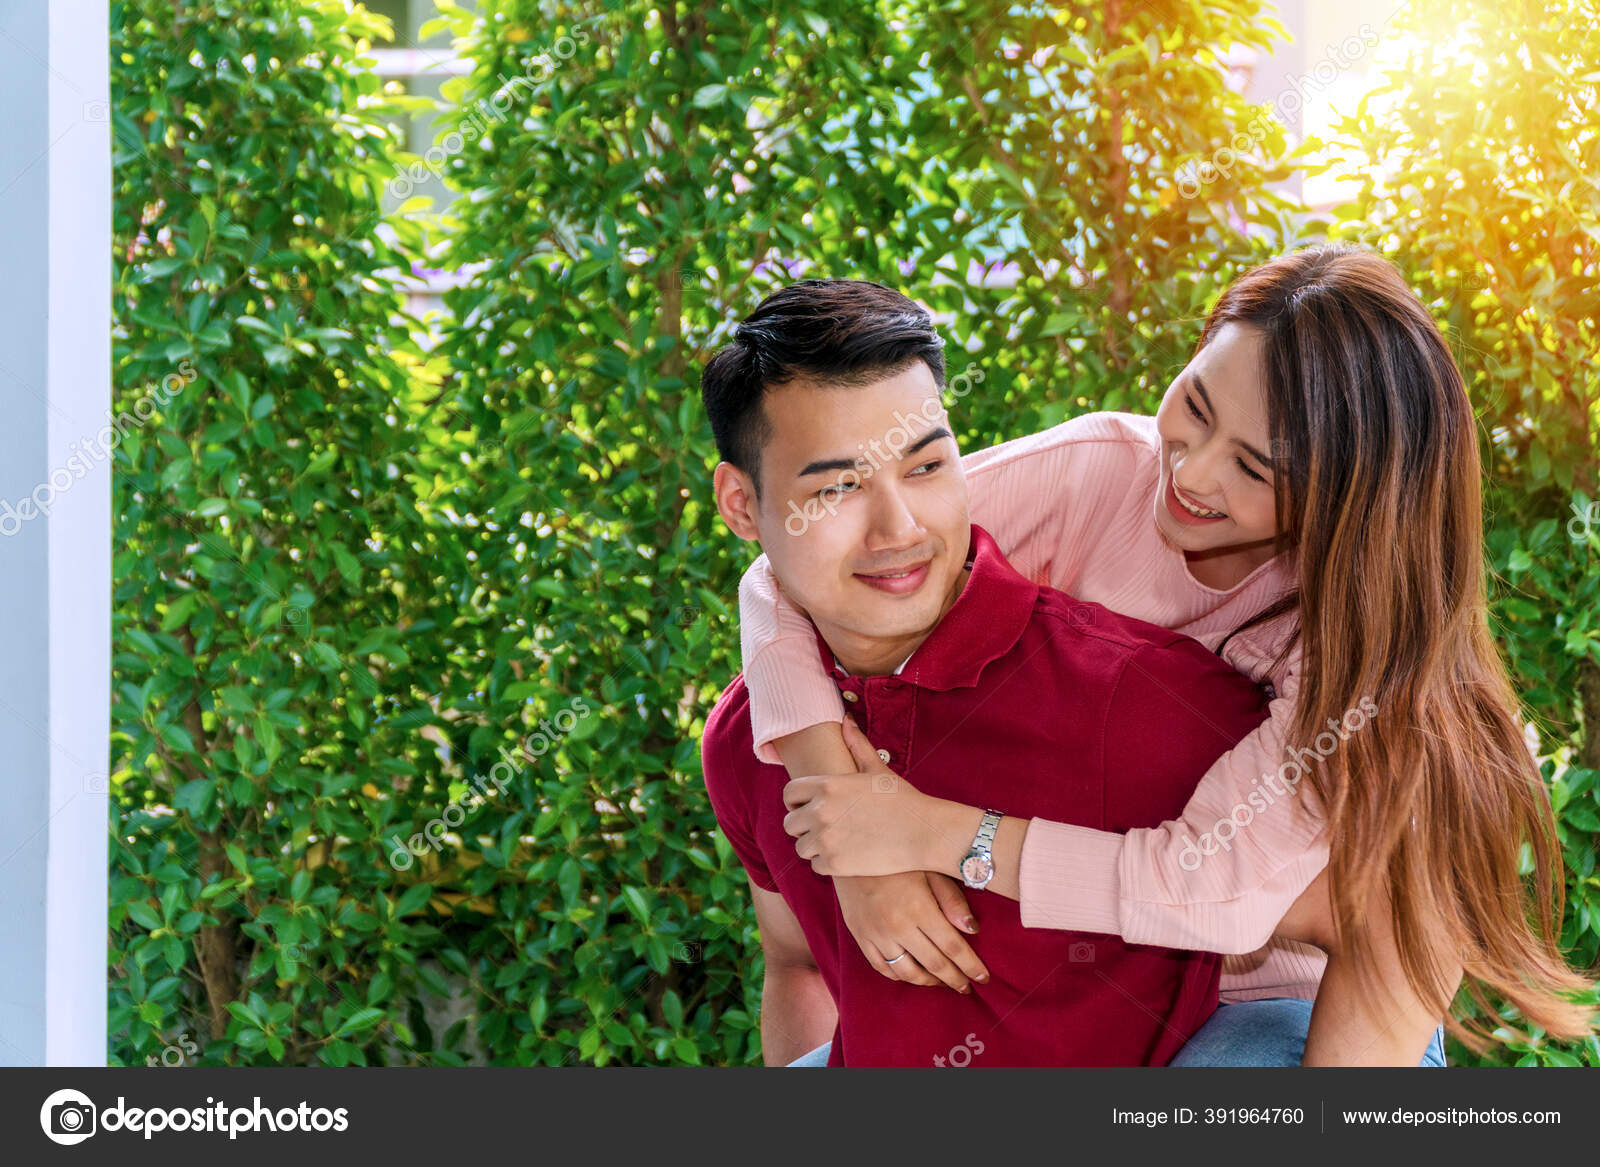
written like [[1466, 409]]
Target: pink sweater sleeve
[[1219, 878], [1025, 492], [1044, 498], [782, 672]]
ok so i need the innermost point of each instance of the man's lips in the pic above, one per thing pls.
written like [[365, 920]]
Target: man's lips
[[896, 583], [1178, 511]]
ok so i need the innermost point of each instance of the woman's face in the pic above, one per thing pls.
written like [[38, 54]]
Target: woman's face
[[1216, 492]]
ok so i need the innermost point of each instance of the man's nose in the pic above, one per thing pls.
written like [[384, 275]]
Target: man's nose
[[893, 525]]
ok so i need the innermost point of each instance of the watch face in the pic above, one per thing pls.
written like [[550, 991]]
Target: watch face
[[976, 869]]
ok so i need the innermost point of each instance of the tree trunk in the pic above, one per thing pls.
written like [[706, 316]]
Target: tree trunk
[[1589, 699]]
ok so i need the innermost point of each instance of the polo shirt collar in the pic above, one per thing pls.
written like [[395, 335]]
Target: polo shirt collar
[[984, 624], [898, 669]]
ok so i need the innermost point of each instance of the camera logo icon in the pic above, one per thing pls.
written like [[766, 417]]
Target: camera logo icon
[[67, 1117]]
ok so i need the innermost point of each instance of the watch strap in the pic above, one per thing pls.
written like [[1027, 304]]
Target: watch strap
[[986, 831], [981, 848]]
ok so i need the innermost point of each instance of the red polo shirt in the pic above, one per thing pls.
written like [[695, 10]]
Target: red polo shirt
[[1038, 705]]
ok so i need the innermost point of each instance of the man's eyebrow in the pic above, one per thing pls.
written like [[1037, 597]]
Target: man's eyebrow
[[1206, 397], [827, 465]]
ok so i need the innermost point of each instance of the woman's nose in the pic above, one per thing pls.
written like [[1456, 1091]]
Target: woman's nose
[[1198, 469]]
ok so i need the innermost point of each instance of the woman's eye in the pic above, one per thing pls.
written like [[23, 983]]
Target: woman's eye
[[1193, 409], [930, 467], [1247, 470]]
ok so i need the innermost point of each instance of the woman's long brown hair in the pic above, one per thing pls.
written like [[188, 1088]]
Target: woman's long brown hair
[[1379, 503]]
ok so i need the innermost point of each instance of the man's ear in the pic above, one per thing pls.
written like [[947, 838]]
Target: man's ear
[[736, 500]]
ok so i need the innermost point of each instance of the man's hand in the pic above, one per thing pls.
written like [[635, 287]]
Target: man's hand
[[917, 913]]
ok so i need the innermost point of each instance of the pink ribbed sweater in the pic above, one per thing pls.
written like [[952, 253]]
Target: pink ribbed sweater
[[1074, 507]]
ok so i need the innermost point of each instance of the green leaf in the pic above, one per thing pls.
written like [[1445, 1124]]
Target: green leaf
[[672, 1009], [637, 904], [415, 897], [359, 1020], [196, 797], [570, 881], [245, 1013]]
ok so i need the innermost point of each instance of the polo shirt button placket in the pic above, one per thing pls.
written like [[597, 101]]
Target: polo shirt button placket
[[891, 722], [855, 705]]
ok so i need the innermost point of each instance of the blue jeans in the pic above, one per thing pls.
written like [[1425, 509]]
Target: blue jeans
[[817, 1057], [1270, 1032]]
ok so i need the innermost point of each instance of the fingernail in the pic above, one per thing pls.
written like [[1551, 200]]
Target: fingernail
[[967, 990], [969, 923], [983, 978]]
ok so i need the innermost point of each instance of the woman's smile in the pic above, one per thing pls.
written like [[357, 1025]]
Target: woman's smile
[[1186, 510]]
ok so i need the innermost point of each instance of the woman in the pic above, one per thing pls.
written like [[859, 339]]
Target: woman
[[1313, 479]]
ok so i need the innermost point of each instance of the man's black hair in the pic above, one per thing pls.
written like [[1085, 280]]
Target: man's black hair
[[846, 332]]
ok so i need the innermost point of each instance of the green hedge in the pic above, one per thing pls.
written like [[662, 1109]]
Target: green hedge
[[417, 628], [1492, 209], [280, 588]]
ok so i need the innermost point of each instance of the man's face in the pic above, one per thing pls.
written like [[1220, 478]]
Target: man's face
[[863, 514]]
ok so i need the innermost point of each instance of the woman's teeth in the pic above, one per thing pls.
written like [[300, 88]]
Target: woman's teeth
[[1201, 512]]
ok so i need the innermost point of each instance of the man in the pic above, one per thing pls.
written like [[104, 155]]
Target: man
[[978, 686]]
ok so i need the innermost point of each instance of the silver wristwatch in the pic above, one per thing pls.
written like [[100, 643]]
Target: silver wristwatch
[[977, 869]]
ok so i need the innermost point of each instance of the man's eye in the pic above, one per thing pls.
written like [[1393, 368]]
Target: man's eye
[[1247, 470], [834, 491], [930, 467], [1194, 409]]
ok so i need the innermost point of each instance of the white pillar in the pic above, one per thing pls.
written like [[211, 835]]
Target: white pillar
[[55, 562]]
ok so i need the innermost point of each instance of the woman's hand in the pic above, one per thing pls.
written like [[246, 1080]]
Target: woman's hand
[[872, 822], [917, 913]]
